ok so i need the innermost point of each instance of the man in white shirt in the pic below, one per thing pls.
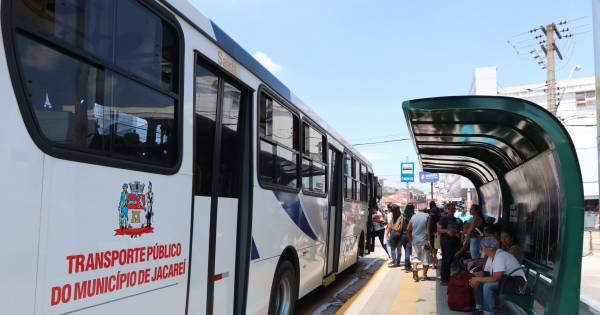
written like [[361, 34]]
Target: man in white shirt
[[499, 264]]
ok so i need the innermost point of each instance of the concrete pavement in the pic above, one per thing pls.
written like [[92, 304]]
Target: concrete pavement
[[590, 275], [393, 291]]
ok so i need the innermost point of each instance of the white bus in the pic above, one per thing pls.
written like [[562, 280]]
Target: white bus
[[151, 166]]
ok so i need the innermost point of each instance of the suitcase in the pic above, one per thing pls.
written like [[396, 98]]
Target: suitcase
[[460, 294]]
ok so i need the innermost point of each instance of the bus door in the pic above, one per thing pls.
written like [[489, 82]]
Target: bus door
[[372, 203], [218, 150], [335, 214]]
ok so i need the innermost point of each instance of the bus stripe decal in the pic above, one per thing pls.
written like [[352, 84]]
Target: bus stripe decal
[[254, 251], [291, 204]]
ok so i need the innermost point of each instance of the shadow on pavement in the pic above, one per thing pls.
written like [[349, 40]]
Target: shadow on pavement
[[327, 300]]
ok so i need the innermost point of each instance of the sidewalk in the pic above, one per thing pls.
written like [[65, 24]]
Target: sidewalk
[[590, 281], [392, 291]]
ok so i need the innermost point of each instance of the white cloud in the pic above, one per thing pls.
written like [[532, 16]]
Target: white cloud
[[375, 156], [267, 62]]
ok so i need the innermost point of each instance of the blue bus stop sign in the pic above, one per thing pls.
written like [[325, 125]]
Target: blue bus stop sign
[[426, 177], [407, 172]]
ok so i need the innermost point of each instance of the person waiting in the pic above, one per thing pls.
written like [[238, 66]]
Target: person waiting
[[393, 232], [421, 250], [448, 227], [508, 244], [474, 231], [486, 284]]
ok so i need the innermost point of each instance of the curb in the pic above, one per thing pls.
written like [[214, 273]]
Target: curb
[[588, 306]]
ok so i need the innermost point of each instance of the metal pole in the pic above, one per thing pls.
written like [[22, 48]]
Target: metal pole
[[431, 191], [407, 196]]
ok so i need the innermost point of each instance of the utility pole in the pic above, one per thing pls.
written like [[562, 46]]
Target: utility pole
[[549, 49], [431, 191], [547, 38]]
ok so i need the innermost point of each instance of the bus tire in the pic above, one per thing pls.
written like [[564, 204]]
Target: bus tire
[[284, 290]]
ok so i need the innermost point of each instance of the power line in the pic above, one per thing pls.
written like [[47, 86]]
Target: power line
[[380, 137], [547, 38], [380, 142]]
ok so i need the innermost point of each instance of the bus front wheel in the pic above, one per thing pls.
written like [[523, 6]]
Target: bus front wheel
[[284, 291]]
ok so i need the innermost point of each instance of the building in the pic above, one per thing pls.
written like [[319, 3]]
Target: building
[[576, 109]]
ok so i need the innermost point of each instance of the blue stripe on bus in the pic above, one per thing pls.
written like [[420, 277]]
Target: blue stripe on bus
[[242, 56], [254, 251], [291, 204]]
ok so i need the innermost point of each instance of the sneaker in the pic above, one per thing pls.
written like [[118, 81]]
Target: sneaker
[[415, 276]]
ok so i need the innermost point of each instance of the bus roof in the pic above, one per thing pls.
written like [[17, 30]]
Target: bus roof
[[212, 31]]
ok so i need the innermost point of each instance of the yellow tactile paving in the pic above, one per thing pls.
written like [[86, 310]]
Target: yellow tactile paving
[[370, 286], [405, 301]]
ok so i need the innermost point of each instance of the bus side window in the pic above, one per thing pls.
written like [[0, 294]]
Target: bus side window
[[363, 183], [278, 144], [96, 108], [347, 177], [207, 106], [314, 167]]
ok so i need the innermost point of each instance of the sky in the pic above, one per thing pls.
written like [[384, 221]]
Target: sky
[[355, 61]]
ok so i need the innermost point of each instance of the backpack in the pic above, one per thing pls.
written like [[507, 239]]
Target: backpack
[[395, 232], [460, 294]]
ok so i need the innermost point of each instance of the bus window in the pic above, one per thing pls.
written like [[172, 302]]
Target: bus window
[[207, 90], [231, 144], [355, 177], [278, 146], [347, 177], [363, 183], [97, 108], [122, 32], [313, 162]]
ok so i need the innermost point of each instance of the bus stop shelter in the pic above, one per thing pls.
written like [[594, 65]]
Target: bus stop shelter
[[524, 167]]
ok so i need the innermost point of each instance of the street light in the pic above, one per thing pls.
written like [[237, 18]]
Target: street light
[[575, 68]]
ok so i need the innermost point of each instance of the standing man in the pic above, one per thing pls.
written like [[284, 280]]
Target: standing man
[[418, 237], [448, 228]]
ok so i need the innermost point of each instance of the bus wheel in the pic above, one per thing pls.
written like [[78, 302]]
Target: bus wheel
[[284, 291]]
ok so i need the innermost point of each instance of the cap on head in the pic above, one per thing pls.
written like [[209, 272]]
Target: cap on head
[[125, 186], [490, 243]]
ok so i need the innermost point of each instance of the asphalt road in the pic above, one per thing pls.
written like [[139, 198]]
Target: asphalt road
[[327, 300]]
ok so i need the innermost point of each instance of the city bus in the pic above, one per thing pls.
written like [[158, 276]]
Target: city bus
[[150, 165]]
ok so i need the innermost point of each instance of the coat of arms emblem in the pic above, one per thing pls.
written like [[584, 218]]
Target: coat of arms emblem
[[135, 209]]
